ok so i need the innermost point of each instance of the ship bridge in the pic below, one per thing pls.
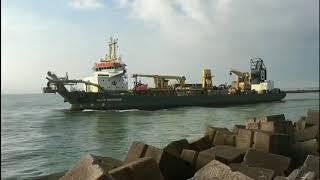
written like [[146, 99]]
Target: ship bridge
[[109, 72]]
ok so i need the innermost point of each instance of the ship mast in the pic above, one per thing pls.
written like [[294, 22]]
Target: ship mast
[[112, 49]]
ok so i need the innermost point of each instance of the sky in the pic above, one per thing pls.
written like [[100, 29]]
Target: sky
[[170, 37]]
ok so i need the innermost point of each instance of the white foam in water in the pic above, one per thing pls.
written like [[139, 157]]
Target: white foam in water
[[91, 110], [94, 110], [127, 110]]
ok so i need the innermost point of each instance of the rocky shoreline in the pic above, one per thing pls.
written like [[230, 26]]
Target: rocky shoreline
[[263, 148]]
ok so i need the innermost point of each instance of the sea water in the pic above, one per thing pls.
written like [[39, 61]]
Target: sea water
[[40, 136]]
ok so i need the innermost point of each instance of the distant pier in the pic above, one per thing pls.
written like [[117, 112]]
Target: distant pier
[[302, 91]]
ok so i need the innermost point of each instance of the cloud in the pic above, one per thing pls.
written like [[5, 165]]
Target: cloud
[[85, 4], [189, 21], [194, 19], [225, 33], [174, 37]]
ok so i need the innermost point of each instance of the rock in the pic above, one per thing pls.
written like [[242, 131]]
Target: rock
[[92, 167], [307, 133], [201, 144], [293, 175], [143, 168], [171, 166], [237, 176], [175, 147], [216, 170], [311, 164], [213, 170], [306, 176], [309, 176], [278, 163], [280, 178], [272, 143], [253, 172], [312, 117], [244, 138], [309, 170]]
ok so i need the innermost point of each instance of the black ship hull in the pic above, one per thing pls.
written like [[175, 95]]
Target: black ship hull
[[106, 101]]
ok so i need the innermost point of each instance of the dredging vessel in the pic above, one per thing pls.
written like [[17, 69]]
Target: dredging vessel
[[107, 88]]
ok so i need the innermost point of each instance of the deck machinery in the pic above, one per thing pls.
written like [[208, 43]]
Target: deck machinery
[[107, 88]]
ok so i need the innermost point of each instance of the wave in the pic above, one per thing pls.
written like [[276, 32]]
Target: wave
[[306, 99]]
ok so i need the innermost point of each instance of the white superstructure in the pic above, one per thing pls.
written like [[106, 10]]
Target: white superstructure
[[109, 73], [263, 86]]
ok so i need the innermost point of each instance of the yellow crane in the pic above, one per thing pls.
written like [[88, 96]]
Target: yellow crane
[[243, 81], [161, 82], [206, 78]]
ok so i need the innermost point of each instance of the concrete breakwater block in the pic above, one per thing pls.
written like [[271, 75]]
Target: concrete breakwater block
[[224, 137], [222, 153], [252, 123], [273, 123], [307, 147], [92, 167], [285, 127], [244, 138], [212, 131], [201, 144], [143, 168], [278, 117], [172, 167], [300, 124], [136, 151], [195, 159], [302, 150], [312, 117], [189, 156], [226, 154], [272, 143], [278, 163], [218, 171], [253, 172], [175, 147], [307, 133], [237, 127]]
